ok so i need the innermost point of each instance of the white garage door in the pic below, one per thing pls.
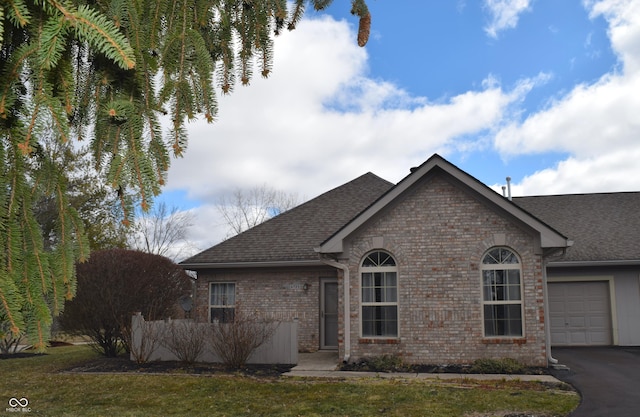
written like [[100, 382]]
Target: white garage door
[[579, 313]]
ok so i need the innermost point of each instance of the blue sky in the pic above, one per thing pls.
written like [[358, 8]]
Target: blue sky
[[544, 91]]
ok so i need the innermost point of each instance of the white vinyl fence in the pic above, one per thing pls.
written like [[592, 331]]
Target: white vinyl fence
[[149, 341]]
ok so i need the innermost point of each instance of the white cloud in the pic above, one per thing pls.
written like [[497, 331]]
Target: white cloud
[[586, 175], [504, 14], [624, 28], [596, 124]]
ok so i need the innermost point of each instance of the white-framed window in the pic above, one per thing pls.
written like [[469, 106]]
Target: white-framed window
[[502, 293], [379, 298], [222, 302]]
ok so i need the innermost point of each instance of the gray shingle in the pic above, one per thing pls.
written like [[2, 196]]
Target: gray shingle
[[293, 235], [604, 226]]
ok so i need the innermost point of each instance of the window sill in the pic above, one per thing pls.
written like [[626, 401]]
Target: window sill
[[505, 341], [378, 341]]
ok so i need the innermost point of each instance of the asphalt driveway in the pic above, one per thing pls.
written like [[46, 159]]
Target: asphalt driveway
[[608, 379]]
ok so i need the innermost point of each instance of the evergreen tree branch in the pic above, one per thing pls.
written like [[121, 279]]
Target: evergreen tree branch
[[95, 29]]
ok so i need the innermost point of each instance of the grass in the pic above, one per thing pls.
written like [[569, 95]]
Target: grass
[[54, 393]]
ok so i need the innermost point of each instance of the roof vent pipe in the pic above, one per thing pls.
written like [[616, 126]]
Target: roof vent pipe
[[509, 188], [504, 191]]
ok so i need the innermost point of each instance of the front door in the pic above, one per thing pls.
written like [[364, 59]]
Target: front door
[[328, 314]]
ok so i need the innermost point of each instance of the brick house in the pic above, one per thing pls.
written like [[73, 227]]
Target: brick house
[[438, 268]]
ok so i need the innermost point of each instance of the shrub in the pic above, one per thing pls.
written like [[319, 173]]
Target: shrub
[[497, 366], [186, 339], [112, 286], [235, 341], [384, 363]]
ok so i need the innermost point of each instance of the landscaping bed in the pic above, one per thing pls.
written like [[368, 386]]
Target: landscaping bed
[[124, 364], [482, 366]]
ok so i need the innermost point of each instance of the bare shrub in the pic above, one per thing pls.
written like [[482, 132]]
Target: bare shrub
[[235, 341], [186, 339]]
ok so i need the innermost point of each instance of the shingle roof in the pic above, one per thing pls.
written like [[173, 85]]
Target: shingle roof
[[293, 235], [604, 227]]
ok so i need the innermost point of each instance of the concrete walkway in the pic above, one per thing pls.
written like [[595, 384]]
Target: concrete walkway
[[324, 364]]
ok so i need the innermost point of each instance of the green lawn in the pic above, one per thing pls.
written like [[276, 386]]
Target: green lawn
[[53, 393]]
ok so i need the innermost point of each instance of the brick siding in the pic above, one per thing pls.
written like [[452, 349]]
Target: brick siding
[[438, 235], [281, 294]]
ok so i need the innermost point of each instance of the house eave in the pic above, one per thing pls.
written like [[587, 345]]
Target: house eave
[[257, 264], [582, 264]]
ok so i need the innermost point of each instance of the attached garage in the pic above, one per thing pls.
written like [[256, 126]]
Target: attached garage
[[580, 313]]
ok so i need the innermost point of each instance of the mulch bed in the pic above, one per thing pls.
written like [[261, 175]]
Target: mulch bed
[[124, 365], [367, 366]]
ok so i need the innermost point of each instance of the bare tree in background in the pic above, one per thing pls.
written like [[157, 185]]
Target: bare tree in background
[[244, 209], [162, 231]]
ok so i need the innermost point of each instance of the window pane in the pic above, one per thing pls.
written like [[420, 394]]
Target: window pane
[[500, 256], [380, 321], [367, 279], [514, 293], [390, 279], [223, 294], [513, 276], [507, 257], [503, 320], [389, 326], [369, 261], [378, 279], [379, 287], [391, 295], [368, 321], [501, 285], [378, 259], [487, 279], [386, 260], [222, 315], [230, 294], [367, 288]]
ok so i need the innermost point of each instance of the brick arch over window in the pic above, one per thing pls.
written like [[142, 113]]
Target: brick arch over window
[[379, 295], [502, 309]]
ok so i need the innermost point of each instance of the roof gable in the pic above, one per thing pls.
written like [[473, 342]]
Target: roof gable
[[549, 237]]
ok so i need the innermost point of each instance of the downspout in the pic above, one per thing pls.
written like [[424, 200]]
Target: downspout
[[545, 291], [547, 324], [347, 304]]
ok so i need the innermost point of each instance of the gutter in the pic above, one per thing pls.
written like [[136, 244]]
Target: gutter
[[570, 264], [347, 304], [257, 264]]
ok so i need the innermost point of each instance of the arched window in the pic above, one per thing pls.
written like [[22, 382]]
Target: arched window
[[502, 293], [379, 302]]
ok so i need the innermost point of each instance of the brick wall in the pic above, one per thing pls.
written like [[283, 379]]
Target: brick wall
[[438, 235], [283, 294]]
